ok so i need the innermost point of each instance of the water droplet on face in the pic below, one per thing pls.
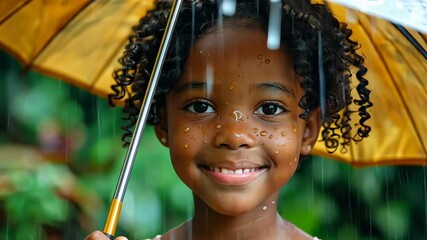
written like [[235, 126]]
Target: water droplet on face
[[238, 116], [201, 52], [263, 133], [264, 208], [295, 130], [186, 146], [259, 63], [283, 134], [205, 141], [237, 135], [277, 152], [254, 130], [186, 129], [267, 61], [271, 136], [260, 56], [232, 86], [209, 54], [228, 102], [295, 159], [276, 129], [218, 126]]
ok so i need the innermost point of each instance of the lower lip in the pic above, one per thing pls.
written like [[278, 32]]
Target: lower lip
[[234, 179]]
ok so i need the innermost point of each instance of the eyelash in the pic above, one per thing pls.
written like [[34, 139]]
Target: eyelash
[[279, 106], [191, 103]]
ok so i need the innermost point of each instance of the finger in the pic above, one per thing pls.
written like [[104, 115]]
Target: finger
[[121, 238], [97, 235]]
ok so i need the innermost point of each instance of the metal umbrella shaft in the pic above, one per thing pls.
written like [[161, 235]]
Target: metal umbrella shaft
[[116, 203]]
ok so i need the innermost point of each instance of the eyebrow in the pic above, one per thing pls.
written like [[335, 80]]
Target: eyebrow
[[191, 85], [276, 86]]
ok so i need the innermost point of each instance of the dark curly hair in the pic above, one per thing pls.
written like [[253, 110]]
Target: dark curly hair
[[305, 26]]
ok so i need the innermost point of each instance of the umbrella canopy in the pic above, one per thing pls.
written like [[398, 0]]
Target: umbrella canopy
[[397, 77], [80, 41]]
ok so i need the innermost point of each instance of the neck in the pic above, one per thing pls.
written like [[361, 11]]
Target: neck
[[261, 223]]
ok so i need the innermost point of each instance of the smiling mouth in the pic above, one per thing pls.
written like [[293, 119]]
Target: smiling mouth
[[239, 171]]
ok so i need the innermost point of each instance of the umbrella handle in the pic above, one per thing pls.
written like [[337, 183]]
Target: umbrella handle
[[117, 201]]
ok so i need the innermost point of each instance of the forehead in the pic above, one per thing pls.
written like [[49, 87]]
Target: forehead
[[232, 52]]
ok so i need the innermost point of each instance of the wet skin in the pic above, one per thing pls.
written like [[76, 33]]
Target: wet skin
[[235, 136]]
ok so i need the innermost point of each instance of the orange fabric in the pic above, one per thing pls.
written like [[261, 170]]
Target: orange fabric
[[397, 74], [77, 41]]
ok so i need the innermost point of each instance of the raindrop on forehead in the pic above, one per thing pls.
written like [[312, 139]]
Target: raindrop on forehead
[[283, 134], [260, 56], [186, 129], [267, 61], [186, 146], [254, 130], [232, 86], [263, 133], [218, 126]]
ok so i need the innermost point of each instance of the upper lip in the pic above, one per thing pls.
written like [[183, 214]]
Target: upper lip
[[234, 165]]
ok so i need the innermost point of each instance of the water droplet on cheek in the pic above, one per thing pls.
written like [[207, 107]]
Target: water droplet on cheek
[[295, 130], [263, 133], [267, 61], [255, 130], [186, 146], [201, 52], [283, 134], [232, 86], [271, 136], [218, 126], [277, 152], [260, 56], [186, 129]]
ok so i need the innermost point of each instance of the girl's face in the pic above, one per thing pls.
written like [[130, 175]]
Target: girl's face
[[232, 121]]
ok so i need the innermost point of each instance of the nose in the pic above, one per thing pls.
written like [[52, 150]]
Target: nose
[[234, 135]]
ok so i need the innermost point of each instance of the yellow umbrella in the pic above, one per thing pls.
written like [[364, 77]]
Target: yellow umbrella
[[397, 77], [80, 41]]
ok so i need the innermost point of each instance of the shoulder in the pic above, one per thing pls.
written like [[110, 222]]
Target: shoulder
[[158, 237]]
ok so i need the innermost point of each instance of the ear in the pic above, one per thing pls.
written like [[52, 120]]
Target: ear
[[161, 129], [311, 132]]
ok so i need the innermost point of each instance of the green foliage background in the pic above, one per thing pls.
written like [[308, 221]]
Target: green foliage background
[[61, 154]]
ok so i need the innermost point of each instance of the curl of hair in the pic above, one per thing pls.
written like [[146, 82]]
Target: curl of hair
[[301, 22]]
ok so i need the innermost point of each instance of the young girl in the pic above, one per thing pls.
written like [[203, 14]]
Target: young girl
[[236, 115]]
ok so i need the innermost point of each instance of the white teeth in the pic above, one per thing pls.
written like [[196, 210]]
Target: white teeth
[[229, 171]]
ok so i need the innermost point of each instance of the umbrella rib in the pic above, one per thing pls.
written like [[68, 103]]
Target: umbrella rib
[[111, 58], [411, 39], [14, 11], [36, 55], [411, 118]]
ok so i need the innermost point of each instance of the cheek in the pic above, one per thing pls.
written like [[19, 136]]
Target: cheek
[[282, 145]]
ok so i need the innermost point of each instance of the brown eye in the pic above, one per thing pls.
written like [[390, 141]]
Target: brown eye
[[200, 107], [270, 108]]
